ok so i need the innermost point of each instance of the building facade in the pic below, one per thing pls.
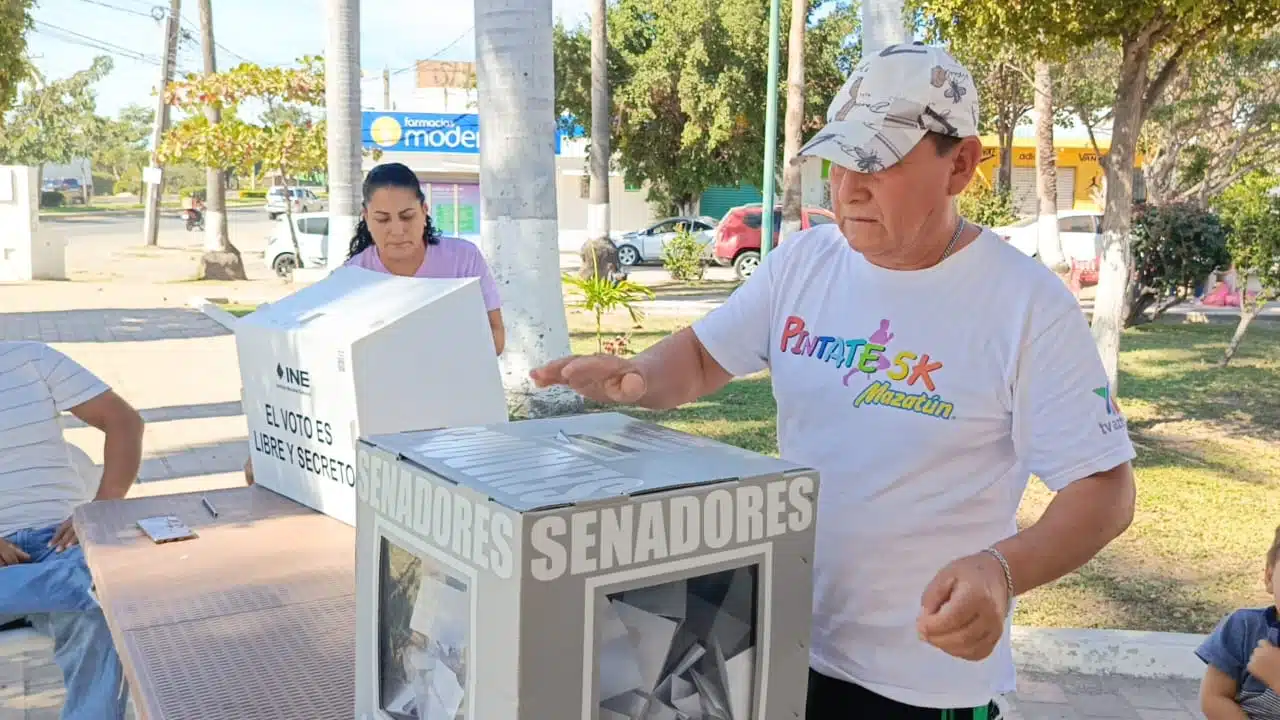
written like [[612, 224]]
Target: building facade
[[435, 130]]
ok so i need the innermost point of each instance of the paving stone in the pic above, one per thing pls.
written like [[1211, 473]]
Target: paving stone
[[1150, 697]]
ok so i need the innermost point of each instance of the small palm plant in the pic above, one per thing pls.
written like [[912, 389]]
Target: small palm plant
[[599, 294]]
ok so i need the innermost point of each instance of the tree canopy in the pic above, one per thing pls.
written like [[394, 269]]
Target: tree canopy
[[52, 121], [291, 148], [15, 21], [688, 82]]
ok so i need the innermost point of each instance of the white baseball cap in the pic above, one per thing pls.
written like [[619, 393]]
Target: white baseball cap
[[890, 102]]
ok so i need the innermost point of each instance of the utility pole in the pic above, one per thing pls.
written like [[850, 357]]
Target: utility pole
[[519, 230], [386, 88], [150, 223], [342, 109], [221, 260], [601, 129], [770, 132]]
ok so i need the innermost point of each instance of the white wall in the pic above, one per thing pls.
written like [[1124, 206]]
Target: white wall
[[628, 209], [27, 251]]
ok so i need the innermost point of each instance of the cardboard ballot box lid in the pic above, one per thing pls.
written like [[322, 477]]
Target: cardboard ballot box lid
[[353, 302], [535, 465]]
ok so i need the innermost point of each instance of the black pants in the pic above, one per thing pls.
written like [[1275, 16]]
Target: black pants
[[831, 699]]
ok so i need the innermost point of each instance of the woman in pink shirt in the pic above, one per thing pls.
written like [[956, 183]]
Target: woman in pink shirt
[[395, 235]]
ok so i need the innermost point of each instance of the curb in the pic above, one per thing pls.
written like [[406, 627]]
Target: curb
[[1130, 653], [217, 314]]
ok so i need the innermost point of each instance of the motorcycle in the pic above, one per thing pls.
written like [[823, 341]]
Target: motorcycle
[[194, 218]]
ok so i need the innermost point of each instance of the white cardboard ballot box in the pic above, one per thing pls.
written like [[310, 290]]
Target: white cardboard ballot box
[[592, 567], [360, 352]]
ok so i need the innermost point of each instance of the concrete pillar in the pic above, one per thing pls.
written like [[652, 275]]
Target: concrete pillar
[[27, 251]]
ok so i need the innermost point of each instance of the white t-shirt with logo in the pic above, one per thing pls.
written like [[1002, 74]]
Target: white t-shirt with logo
[[39, 486], [924, 399]]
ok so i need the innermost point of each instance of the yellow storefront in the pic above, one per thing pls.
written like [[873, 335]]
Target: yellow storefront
[[1080, 175]]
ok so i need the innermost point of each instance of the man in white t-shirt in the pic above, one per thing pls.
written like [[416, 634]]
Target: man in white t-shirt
[[926, 369], [43, 576]]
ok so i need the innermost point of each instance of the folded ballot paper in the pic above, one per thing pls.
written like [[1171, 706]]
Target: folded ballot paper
[[580, 568]]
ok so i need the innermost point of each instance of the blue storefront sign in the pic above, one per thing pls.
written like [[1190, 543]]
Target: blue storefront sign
[[424, 132]]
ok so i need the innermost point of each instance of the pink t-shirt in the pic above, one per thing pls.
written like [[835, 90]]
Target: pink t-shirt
[[450, 258]]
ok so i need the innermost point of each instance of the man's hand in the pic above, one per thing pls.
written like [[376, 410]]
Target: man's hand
[[11, 554], [962, 612], [602, 378], [64, 537], [248, 471], [1265, 664]]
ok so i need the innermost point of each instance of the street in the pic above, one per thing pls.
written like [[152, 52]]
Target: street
[[109, 247]]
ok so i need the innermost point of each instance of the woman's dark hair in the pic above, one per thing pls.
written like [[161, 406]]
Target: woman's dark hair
[[394, 175]]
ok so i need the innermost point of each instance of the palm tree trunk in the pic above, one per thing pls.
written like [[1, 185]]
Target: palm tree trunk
[[792, 189], [883, 24], [519, 230], [221, 260], [1049, 244], [342, 113]]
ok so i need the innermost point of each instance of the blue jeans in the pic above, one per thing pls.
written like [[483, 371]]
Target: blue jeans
[[55, 592]]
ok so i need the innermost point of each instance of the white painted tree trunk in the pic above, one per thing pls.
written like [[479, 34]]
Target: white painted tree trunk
[[518, 228], [1048, 243], [1110, 306], [342, 112], [882, 25]]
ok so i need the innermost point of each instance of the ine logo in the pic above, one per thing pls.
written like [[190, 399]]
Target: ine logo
[[293, 380]]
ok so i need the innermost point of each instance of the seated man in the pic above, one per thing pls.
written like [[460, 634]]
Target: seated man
[[43, 575]]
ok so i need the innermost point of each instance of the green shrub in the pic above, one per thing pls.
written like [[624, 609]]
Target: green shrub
[[980, 204], [103, 184], [1174, 247], [248, 194], [684, 257], [51, 199], [132, 186]]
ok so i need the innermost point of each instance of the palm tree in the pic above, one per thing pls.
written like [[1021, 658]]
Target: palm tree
[[342, 113], [221, 259], [519, 231]]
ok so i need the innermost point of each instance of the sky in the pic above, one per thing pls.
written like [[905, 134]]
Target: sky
[[68, 34]]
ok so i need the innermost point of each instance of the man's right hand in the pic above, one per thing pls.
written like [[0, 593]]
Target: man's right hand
[[11, 554], [602, 378]]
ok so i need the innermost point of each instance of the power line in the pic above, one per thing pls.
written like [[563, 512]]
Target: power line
[[91, 42], [437, 53], [149, 15], [158, 13]]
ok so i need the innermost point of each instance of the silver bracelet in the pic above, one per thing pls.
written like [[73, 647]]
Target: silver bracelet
[[1004, 565]]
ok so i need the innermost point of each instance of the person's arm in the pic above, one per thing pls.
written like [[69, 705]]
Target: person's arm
[[1218, 696], [678, 370], [1081, 520], [498, 330], [1068, 431], [1225, 654], [78, 391], [122, 448]]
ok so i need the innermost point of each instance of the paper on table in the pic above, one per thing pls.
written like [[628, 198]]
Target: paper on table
[[166, 528]]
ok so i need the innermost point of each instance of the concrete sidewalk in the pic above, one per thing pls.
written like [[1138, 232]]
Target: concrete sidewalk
[[180, 369]]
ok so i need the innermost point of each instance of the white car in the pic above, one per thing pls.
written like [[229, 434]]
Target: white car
[[304, 201], [1080, 233], [313, 232]]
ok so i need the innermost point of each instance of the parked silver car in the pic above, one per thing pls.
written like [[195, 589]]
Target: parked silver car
[[304, 201], [645, 246]]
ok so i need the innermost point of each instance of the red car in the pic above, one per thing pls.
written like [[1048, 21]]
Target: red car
[[737, 239]]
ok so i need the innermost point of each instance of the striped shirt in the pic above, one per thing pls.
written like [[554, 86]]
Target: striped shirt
[[38, 484]]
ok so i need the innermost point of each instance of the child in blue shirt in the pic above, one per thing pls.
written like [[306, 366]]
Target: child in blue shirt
[[1242, 677]]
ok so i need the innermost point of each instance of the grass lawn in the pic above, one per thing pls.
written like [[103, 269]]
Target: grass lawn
[[1208, 474]]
